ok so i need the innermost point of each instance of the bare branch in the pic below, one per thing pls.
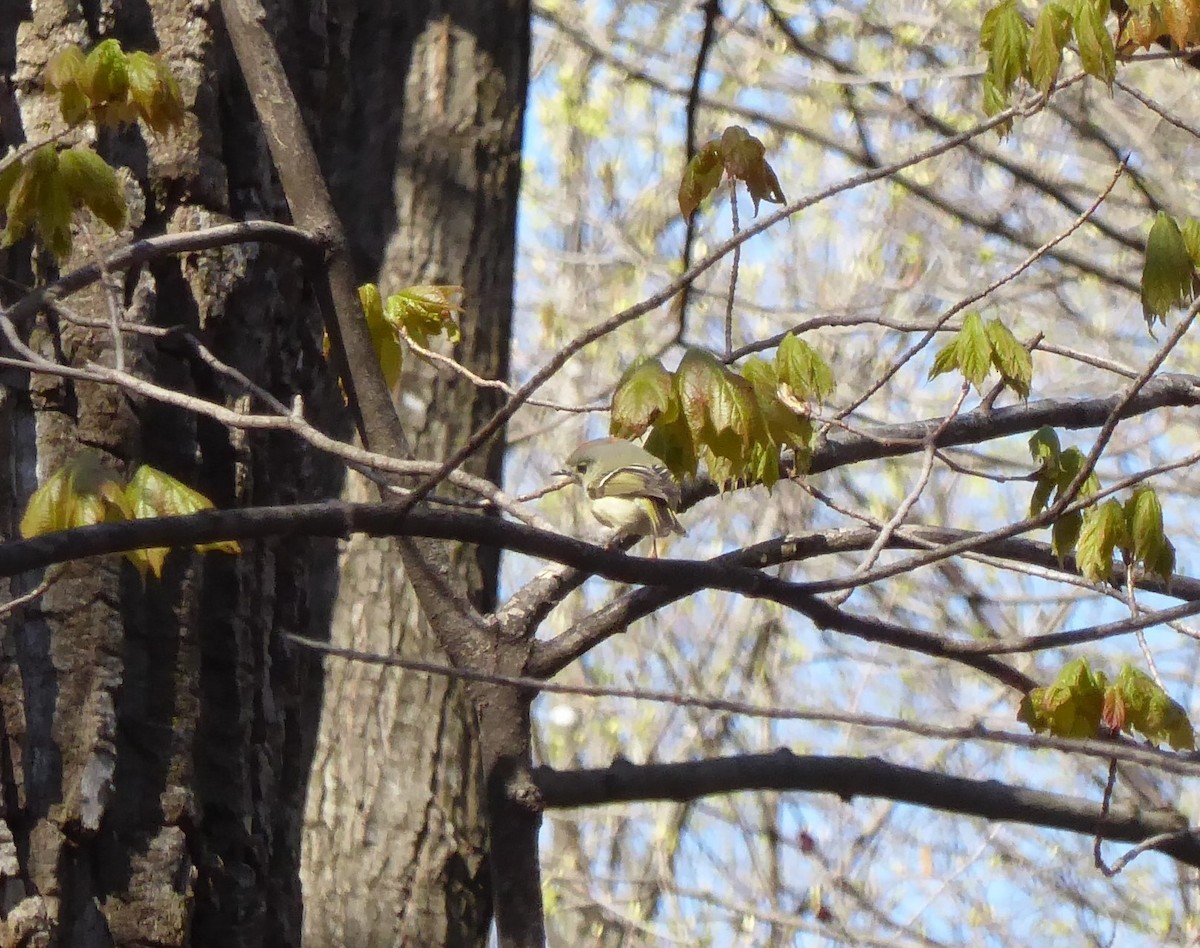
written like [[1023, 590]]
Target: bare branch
[[849, 777]]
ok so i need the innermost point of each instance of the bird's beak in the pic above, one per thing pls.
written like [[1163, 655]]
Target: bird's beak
[[561, 472]]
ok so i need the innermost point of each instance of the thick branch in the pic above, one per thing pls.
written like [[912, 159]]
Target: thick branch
[[848, 777]]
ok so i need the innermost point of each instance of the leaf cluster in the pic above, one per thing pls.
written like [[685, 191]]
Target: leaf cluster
[[421, 313], [1148, 22], [977, 349], [737, 154], [1082, 703], [1134, 528], [735, 422], [84, 492], [46, 188], [1169, 273], [1034, 53], [111, 87]]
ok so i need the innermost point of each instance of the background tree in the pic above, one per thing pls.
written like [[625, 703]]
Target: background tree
[[908, 612]]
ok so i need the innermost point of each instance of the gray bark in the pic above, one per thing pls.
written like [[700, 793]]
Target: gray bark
[[425, 167], [154, 734]]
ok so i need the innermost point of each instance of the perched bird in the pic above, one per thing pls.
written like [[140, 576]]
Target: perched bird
[[629, 488]]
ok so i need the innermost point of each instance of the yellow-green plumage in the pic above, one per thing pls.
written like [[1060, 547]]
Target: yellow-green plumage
[[629, 488]]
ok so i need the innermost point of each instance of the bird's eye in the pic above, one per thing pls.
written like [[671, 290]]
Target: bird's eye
[[581, 467]]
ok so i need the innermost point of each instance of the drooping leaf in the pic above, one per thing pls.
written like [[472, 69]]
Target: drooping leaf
[[1010, 358], [696, 380], [105, 76], [1096, 50], [1070, 707], [90, 180], [1050, 34], [153, 493], [1064, 534], [1070, 463], [1045, 448], [80, 493], [974, 350], [1168, 273], [1191, 240], [799, 366], [701, 177], [1103, 532], [383, 335], [1148, 543], [645, 391], [1179, 19], [1150, 711], [1005, 35], [745, 159], [672, 442], [426, 311], [946, 359]]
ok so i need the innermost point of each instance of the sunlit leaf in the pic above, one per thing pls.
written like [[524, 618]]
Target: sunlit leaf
[[80, 493], [1103, 532], [383, 335], [1064, 534], [1071, 707], [153, 493], [799, 366], [1096, 50], [1005, 35], [974, 350], [1151, 711], [90, 180], [1168, 273], [1050, 34], [105, 77], [645, 392], [701, 177], [1010, 358]]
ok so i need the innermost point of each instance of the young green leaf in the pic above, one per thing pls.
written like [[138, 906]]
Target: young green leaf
[[946, 359], [1005, 35], [644, 393], [696, 380], [80, 493], [671, 441], [1070, 707], [1045, 448], [1070, 463], [1191, 240], [1010, 358], [1096, 50], [1104, 531], [745, 159], [425, 311], [383, 336], [1050, 34], [974, 350], [152, 493], [1151, 711], [799, 366], [1168, 274], [1147, 540], [90, 180], [701, 177], [1065, 534], [105, 76]]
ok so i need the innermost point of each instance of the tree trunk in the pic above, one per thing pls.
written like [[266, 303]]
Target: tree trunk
[[154, 740], [425, 167]]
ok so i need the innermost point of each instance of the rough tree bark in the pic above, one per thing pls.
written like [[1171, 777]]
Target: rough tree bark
[[155, 736], [425, 169]]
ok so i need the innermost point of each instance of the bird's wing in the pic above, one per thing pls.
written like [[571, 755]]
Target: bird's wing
[[637, 480]]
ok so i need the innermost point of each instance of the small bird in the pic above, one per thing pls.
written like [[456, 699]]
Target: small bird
[[629, 488]]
